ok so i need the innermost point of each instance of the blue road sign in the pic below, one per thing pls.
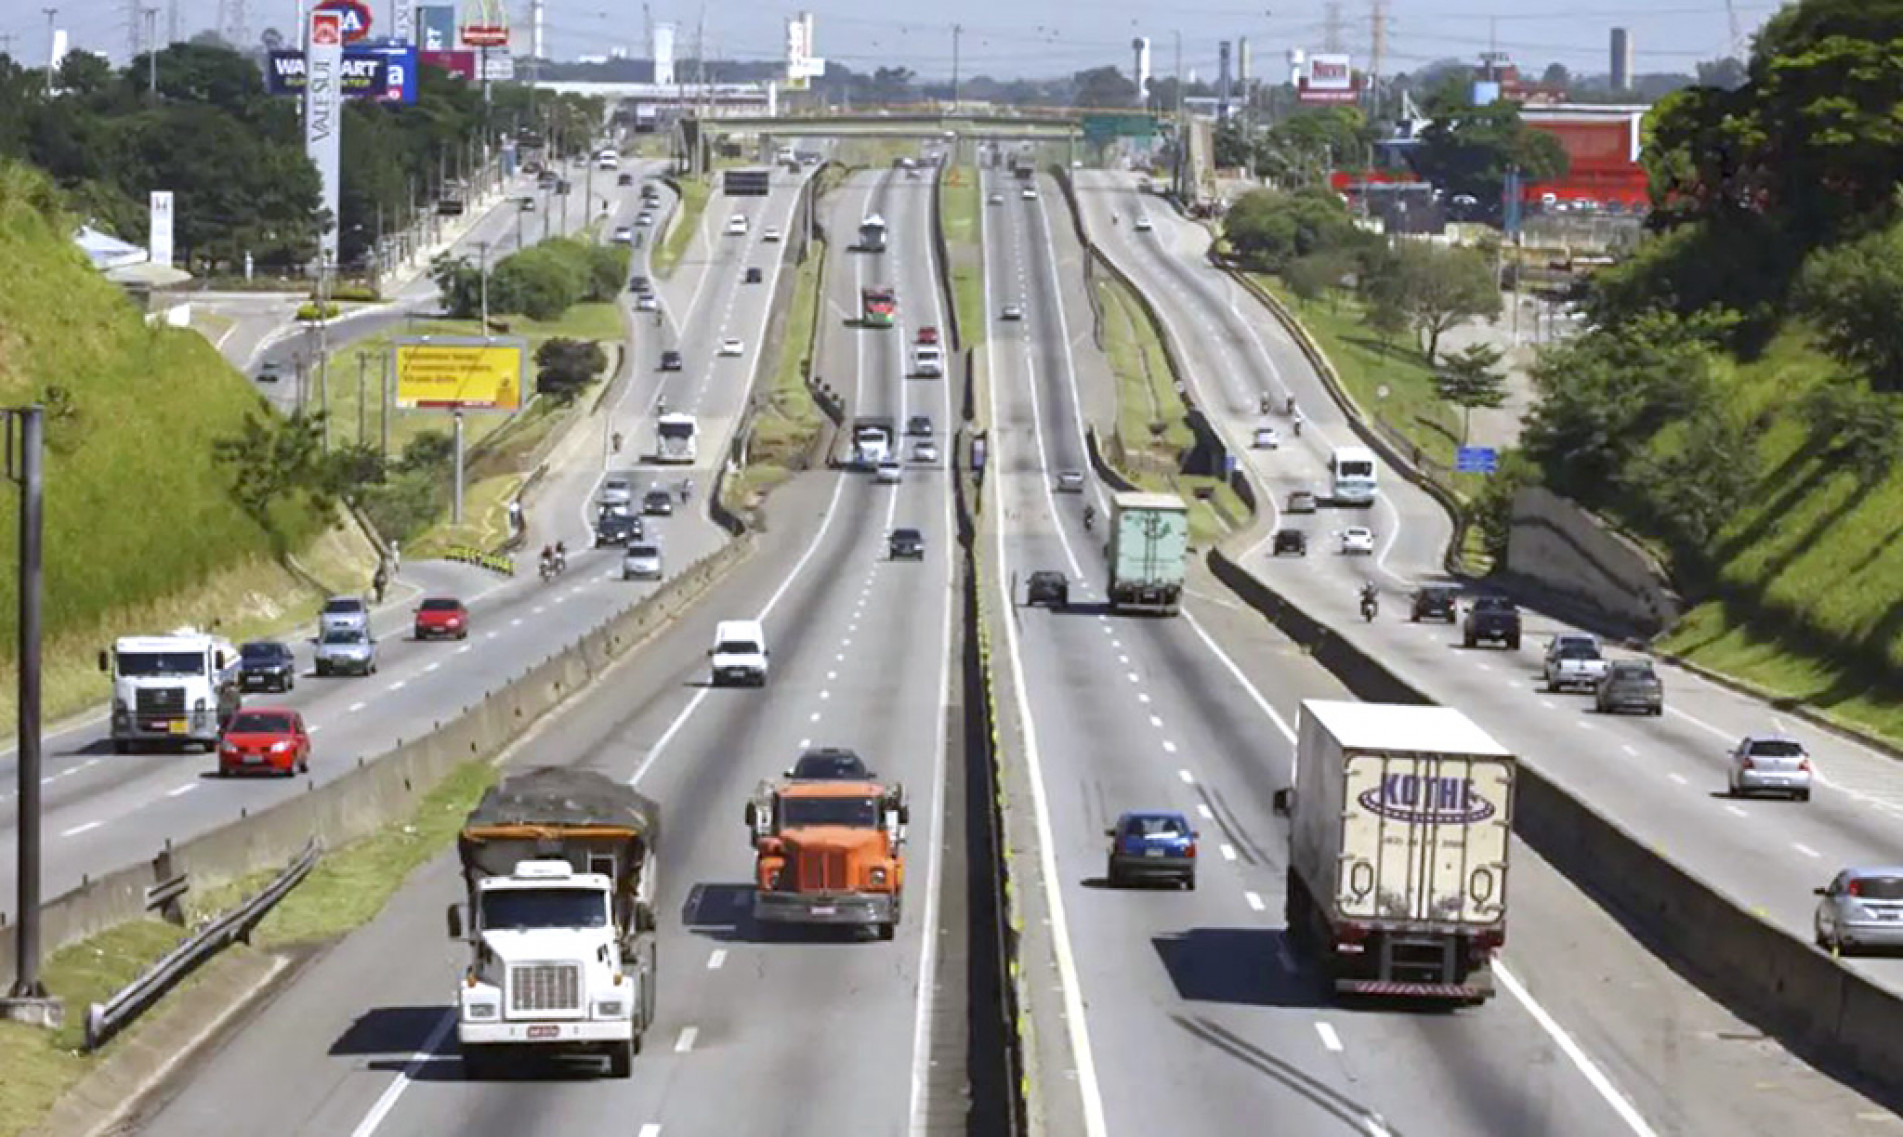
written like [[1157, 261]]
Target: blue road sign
[[1476, 460]]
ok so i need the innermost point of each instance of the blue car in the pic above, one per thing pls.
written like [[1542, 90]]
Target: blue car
[[1149, 846]]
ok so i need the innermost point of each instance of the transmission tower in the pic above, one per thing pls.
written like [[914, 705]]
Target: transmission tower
[[238, 23], [135, 38], [1377, 55], [1331, 27]]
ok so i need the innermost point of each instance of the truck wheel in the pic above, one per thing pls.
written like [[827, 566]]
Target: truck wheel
[[887, 930], [1513, 644], [1467, 641], [621, 1059], [478, 1066]]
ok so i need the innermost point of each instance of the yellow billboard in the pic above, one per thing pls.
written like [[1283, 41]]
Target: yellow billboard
[[462, 373]]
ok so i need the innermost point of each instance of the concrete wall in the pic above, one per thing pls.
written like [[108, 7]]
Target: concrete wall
[[383, 788], [1560, 548]]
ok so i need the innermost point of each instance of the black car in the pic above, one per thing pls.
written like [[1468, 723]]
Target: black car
[[919, 426], [624, 179], [1494, 619], [266, 666], [1435, 602], [1292, 541], [670, 360], [906, 544], [753, 276], [613, 528], [640, 286], [830, 764], [1048, 586], [658, 503]]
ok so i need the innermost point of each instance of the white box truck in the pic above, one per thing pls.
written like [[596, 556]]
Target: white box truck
[[171, 690], [559, 868], [1399, 826], [1149, 552]]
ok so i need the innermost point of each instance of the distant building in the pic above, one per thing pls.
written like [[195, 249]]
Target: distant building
[[1621, 60], [1602, 145]]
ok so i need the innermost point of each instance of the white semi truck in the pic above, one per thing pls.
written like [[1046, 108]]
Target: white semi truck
[[174, 690], [1399, 826], [559, 868]]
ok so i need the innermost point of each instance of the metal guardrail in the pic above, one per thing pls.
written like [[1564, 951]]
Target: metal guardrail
[[104, 1020]]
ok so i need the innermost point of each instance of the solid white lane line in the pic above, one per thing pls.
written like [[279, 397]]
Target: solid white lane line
[[685, 1042], [78, 829], [1330, 1040], [716, 959], [401, 1082], [1255, 902], [1594, 1076]]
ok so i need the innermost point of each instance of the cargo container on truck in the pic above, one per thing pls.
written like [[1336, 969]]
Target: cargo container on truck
[[1400, 820], [559, 869], [1149, 552]]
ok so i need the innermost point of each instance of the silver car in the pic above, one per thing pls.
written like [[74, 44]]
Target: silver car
[[343, 613], [1770, 764], [1861, 908], [1069, 481], [616, 491], [346, 651], [641, 562]]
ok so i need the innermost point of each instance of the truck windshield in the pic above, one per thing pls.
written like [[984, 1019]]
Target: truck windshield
[[516, 910], [147, 664], [853, 812]]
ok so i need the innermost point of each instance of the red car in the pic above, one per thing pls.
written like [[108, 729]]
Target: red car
[[928, 335], [265, 740], [442, 617]]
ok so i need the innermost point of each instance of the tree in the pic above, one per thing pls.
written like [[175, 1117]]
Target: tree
[[1301, 148], [275, 460], [892, 85], [1471, 378], [1267, 229], [1103, 87], [1726, 74], [1385, 317], [1855, 427], [1556, 76], [1438, 288], [458, 286], [1466, 149], [1852, 293], [565, 366]]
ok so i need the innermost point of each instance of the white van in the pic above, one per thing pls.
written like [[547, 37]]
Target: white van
[[1351, 472], [928, 360], [739, 654], [737, 225]]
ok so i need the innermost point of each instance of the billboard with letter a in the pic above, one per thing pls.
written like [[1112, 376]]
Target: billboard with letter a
[[460, 373]]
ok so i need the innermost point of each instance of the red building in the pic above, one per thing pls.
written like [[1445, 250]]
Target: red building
[[1602, 144]]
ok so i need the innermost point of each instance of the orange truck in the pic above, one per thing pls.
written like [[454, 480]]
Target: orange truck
[[828, 852]]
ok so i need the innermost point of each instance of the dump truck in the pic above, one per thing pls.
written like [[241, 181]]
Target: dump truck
[[1149, 552], [559, 870], [1400, 820], [828, 852]]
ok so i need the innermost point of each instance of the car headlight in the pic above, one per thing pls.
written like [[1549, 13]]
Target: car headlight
[[608, 1009], [483, 1010], [280, 747]]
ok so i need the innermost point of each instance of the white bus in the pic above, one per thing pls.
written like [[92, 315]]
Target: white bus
[[1352, 477], [674, 438]]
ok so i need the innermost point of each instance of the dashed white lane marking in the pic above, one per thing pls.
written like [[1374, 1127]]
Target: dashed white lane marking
[[515, 622], [1169, 747], [1483, 666], [1804, 849], [89, 763], [1255, 902], [181, 791], [537, 610], [463, 650], [1629, 749], [1679, 778], [399, 685], [1228, 852], [1206, 813], [78, 829], [1143, 697], [355, 707], [1735, 811], [814, 718], [1189, 779], [832, 675], [715, 960], [432, 667], [1132, 676], [805, 742], [825, 694], [1124, 659], [685, 1042], [1582, 724], [492, 635], [840, 658], [315, 727], [650, 1130], [1547, 703], [1330, 1040]]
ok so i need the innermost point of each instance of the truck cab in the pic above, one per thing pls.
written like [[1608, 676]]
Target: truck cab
[[176, 689], [828, 852], [558, 865]]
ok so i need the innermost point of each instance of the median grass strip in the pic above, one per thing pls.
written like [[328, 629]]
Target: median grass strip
[[960, 197], [784, 429], [686, 221], [344, 891]]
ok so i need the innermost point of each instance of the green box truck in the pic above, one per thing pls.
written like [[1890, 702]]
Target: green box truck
[[1149, 552]]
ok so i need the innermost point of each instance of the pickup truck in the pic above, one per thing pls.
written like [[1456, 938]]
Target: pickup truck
[[1494, 619], [1574, 661]]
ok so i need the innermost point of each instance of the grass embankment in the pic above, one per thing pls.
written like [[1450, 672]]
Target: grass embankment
[[1809, 589], [686, 222], [344, 891], [784, 430], [1152, 428], [960, 200], [141, 529]]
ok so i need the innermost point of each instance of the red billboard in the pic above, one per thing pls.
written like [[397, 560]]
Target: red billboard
[[352, 15]]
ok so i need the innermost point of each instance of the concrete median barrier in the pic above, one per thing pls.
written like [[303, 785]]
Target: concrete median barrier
[[383, 787]]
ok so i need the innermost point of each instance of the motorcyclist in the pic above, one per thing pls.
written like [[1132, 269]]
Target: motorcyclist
[[687, 489], [548, 562], [1090, 517], [1265, 404], [1296, 424], [617, 442], [1370, 600], [561, 556], [660, 405], [1289, 407]]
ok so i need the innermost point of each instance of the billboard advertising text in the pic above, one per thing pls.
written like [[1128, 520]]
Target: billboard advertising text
[[459, 373], [387, 74]]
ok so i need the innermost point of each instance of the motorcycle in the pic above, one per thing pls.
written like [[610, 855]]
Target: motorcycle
[[548, 570], [1370, 606], [1090, 519], [617, 442]]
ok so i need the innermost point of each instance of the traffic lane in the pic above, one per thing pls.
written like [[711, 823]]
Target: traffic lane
[[337, 1041]]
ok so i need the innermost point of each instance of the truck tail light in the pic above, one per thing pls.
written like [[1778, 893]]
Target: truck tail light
[[1350, 934], [1489, 940]]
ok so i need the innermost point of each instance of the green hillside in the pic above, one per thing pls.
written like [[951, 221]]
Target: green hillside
[[141, 526]]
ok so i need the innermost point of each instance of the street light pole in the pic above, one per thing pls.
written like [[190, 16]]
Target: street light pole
[[483, 246]]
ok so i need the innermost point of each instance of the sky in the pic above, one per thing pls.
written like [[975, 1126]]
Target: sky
[[1034, 38]]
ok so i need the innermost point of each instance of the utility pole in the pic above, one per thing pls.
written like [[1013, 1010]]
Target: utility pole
[[1377, 56], [1182, 130], [27, 1001], [958, 30], [152, 50], [383, 402], [171, 21], [483, 246], [363, 365]]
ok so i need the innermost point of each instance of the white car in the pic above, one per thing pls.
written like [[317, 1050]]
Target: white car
[[624, 235], [647, 302], [770, 233], [889, 472], [737, 225], [926, 452], [616, 491], [1143, 223], [732, 346], [1266, 438], [644, 219], [1028, 194], [995, 199], [1012, 312], [1357, 540]]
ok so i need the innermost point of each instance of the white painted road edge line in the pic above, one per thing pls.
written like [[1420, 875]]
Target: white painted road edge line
[[401, 1082], [1594, 1076]]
